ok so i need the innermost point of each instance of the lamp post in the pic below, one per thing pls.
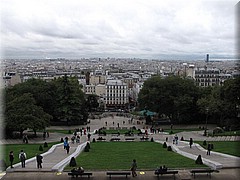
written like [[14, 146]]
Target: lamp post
[[205, 131]]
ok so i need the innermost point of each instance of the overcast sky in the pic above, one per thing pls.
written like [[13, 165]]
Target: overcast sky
[[156, 29]]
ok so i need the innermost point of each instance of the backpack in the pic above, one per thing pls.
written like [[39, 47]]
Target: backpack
[[22, 157]]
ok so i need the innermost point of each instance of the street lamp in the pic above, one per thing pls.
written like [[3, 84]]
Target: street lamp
[[205, 131]]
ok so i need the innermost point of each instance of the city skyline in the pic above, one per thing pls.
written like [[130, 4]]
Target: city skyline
[[128, 29]]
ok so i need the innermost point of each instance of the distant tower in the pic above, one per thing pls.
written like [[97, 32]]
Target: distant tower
[[207, 58]]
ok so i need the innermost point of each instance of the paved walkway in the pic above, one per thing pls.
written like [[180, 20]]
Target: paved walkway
[[59, 154]]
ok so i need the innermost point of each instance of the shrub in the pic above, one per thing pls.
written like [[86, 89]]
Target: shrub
[[169, 148], [40, 148], [212, 146], [171, 132], [61, 140], [45, 144], [73, 162], [182, 139], [152, 139], [204, 142], [69, 132], [164, 145], [87, 147], [199, 160], [94, 140]]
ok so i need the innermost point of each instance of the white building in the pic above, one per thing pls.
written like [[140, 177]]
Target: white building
[[207, 77], [116, 94]]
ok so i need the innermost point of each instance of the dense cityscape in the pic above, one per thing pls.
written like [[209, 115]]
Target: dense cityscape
[[96, 74]]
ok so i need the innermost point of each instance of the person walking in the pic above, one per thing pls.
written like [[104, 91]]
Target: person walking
[[89, 136], [11, 158], [208, 149], [67, 148], [22, 157], [134, 168], [191, 142], [39, 161]]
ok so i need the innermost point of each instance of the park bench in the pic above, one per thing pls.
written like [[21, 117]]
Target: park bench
[[115, 139], [118, 173], [73, 174], [208, 171], [140, 133], [129, 139], [101, 139], [166, 172], [144, 138]]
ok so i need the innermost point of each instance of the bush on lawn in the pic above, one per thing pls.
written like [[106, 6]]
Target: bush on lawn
[[87, 147], [40, 148], [164, 145], [199, 160], [73, 162], [169, 148], [94, 140], [204, 142], [45, 144]]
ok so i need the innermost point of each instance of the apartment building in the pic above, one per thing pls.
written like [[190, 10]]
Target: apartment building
[[207, 77], [116, 94]]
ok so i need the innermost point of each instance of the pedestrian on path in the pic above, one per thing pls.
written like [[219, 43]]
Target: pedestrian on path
[[22, 157], [89, 135], [67, 148], [39, 161], [191, 142], [134, 168], [208, 149], [65, 143], [11, 158]]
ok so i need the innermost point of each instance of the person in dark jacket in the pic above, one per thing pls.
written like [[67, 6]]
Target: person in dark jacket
[[11, 158], [39, 161]]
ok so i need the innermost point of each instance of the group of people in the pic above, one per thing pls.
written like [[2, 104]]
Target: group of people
[[22, 157], [161, 169]]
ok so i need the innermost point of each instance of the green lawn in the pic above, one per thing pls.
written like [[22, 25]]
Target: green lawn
[[227, 147], [119, 155], [29, 149]]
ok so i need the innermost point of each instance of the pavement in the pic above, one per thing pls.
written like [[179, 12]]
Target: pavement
[[55, 160]]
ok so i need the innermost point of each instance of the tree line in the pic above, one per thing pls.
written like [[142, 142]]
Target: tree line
[[182, 102], [36, 104]]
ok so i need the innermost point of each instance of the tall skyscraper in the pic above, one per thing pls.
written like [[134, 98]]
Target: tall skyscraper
[[207, 58]]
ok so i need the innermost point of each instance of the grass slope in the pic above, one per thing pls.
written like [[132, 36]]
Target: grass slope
[[119, 155], [227, 147]]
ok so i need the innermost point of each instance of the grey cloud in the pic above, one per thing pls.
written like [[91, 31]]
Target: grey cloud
[[128, 28]]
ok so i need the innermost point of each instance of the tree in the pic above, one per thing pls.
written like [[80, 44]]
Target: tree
[[43, 93], [92, 103], [23, 113], [71, 104], [173, 97]]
